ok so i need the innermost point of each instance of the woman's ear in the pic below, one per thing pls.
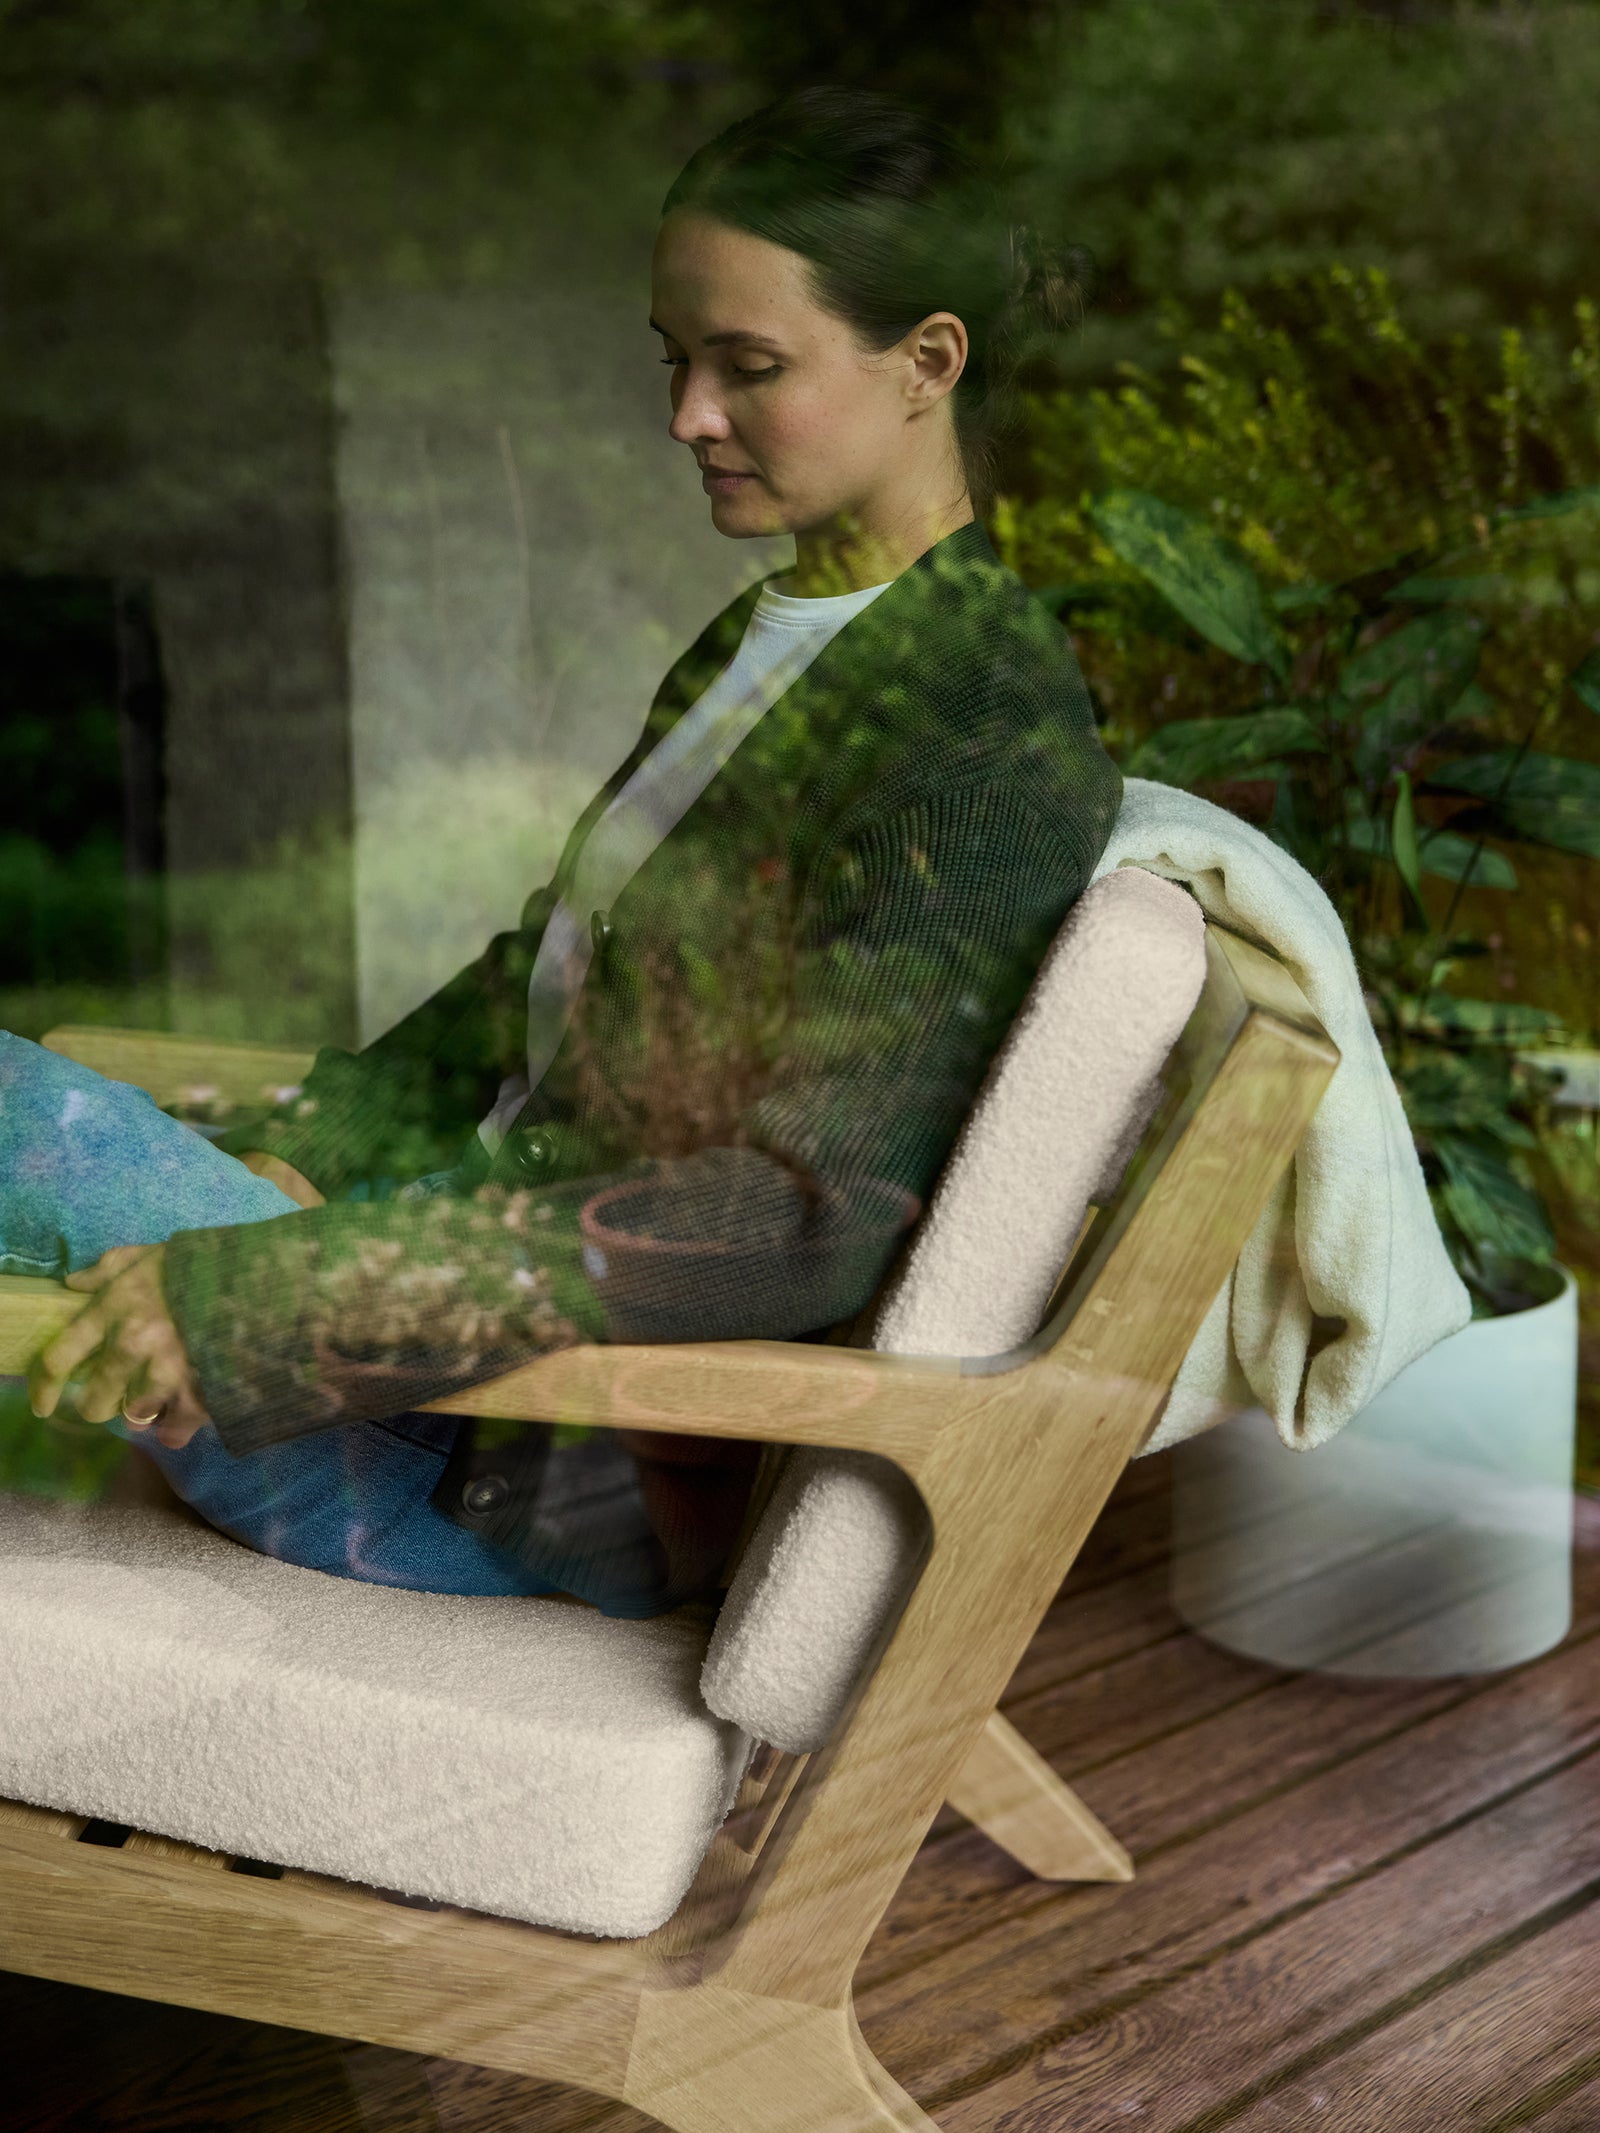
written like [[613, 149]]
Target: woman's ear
[[938, 353]]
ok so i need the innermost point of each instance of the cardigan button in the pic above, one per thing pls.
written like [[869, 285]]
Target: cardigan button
[[532, 1150], [486, 1492], [600, 931]]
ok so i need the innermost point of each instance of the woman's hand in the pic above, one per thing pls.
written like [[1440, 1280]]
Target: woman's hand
[[140, 1364]]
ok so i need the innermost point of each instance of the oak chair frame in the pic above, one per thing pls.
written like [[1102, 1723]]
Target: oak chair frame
[[737, 2013]]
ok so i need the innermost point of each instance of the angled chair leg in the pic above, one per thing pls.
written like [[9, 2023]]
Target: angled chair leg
[[1019, 1803], [718, 2061]]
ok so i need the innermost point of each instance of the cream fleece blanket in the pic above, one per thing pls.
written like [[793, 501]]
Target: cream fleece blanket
[[1345, 1279]]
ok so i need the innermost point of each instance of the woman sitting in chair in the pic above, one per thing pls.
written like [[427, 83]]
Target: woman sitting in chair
[[704, 1087]]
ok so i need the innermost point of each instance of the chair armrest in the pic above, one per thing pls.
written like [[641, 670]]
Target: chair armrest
[[179, 1069], [781, 1392], [777, 1392]]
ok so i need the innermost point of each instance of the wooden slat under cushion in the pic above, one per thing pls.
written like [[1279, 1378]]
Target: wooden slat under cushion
[[43, 1821], [143, 1840]]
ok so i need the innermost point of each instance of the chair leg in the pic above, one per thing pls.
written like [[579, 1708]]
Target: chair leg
[[1019, 1803], [711, 2060]]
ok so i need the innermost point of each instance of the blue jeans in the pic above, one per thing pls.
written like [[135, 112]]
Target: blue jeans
[[86, 1164]]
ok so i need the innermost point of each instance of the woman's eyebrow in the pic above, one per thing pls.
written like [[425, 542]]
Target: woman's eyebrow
[[722, 340]]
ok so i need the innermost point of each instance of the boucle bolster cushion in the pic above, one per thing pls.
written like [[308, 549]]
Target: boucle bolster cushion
[[1055, 1124], [529, 1757]]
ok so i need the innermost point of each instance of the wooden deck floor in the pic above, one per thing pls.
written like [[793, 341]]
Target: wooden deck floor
[[1359, 1908]]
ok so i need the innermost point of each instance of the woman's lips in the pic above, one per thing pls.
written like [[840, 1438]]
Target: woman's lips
[[722, 481]]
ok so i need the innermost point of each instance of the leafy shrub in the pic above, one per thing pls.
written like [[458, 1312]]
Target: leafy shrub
[[1345, 581], [1377, 745], [1316, 432]]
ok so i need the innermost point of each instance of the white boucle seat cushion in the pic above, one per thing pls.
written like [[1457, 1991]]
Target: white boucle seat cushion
[[524, 1756], [1054, 1126]]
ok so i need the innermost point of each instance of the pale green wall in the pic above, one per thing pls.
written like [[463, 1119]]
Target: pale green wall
[[524, 552]]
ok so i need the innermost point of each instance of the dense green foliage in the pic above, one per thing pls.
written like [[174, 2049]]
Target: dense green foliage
[[1347, 581], [1366, 734]]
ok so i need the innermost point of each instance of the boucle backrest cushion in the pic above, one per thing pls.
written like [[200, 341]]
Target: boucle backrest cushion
[[1055, 1124]]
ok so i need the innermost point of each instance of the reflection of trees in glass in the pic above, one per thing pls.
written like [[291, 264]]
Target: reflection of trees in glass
[[184, 189], [1201, 145], [80, 783]]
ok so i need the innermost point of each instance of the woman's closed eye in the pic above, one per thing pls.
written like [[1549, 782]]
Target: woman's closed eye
[[770, 371]]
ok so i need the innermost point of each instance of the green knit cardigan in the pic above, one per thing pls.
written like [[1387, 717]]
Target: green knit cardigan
[[789, 1012]]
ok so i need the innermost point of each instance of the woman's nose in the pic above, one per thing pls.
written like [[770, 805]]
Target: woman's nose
[[697, 412]]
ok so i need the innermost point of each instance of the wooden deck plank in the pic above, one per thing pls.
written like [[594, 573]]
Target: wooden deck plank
[[1149, 1694], [1090, 1629], [1132, 1532], [998, 1990], [1290, 1731], [1577, 2112], [470, 2100], [1467, 2056], [1256, 2011]]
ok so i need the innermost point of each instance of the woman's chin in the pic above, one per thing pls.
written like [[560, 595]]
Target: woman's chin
[[745, 518]]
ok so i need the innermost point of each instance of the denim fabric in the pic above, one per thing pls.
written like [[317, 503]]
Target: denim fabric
[[86, 1164], [353, 1501]]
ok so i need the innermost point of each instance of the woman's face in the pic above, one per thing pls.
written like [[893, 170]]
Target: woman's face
[[794, 425]]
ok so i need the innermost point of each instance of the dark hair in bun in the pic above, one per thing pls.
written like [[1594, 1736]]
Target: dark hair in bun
[[897, 222]]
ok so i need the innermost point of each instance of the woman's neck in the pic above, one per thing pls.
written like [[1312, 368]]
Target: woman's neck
[[839, 558]]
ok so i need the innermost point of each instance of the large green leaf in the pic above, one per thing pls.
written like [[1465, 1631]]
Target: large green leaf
[[1192, 750], [1483, 588], [1552, 800], [1206, 580], [1458, 1089], [1448, 857], [1292, 599], [1402, 688], [1419, 647], [1584, 680], [1403, 839], [1488, 1202], [1371, 591], [1561, 505], [1441, 853], [1482, 1021], [1474, 707]]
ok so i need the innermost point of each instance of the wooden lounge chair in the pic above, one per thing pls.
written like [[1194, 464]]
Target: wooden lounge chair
[[736, 2012]]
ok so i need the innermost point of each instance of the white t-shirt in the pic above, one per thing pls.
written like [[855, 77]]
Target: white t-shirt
[[780, 641]]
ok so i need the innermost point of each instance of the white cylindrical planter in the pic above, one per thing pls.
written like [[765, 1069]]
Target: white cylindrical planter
[[1432, 1535]]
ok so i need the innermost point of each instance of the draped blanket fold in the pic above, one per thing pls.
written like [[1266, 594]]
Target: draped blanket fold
[[1345, 1278]]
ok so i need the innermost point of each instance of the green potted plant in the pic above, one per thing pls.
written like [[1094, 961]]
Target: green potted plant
[[1370, 751]]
